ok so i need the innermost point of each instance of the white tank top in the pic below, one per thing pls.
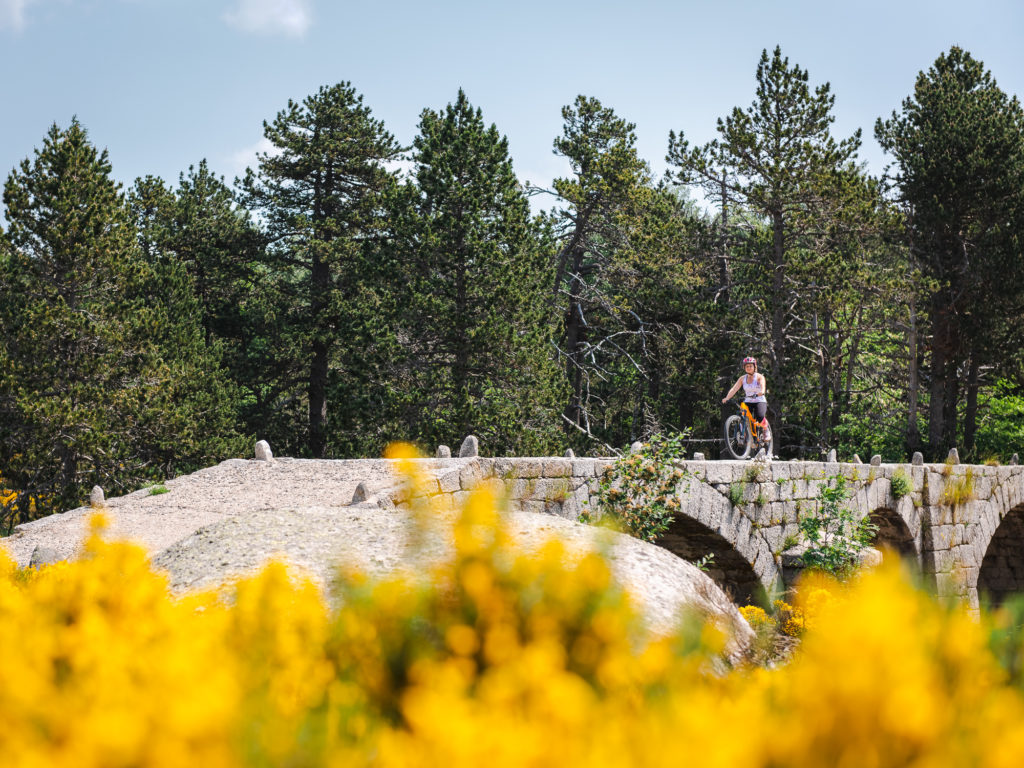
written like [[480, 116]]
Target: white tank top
[[750, 389]]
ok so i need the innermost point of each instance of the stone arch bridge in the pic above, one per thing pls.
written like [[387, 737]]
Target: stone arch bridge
[[963, 525]]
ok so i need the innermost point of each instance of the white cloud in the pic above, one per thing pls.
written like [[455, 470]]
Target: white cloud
[[12, 13], [289, 17], [246, 156]]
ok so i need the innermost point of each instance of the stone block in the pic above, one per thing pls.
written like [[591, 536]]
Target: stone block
[[505, 468], [557, 468], [743, 529], [722, 472], [263, 452], [696, 470], [470, 447], [552, 489], [42, 555], [601, 466], [529, 468], [959, 534], [460, 498], [449, 482], [520, 489], [443, 452], [773, 538], [584, 468], [727, 524]]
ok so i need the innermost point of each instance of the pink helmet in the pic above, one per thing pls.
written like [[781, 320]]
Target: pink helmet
[[752, 360]]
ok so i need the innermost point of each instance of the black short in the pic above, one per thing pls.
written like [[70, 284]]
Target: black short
[[758, 409]]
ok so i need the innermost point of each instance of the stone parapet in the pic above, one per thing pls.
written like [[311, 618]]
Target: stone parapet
[[746, 513]]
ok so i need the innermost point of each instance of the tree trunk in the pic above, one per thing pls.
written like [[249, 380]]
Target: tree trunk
[[778, 294], [319, 363], [971, 411], [574, 338], [824, 371], [913, 434], [937, 390]]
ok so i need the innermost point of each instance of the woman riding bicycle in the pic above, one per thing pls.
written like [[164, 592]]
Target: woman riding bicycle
[[755, 386]]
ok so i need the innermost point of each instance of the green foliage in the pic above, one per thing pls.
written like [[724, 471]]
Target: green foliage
[[639, 492], [834, 537], [736, 493], [105, 377], [706, 562], [1001, 421], [321, 197], [476, 316], [900, 484], [157, 490], [959, 149]]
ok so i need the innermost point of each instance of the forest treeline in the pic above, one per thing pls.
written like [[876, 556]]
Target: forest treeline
[[350, 291]]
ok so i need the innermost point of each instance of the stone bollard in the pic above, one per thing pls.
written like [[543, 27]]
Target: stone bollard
[[636, 447], [1015, 460], [570, 454], [698, 457], [360, 493], [96, 496], [443, 452], [43, 556], [856, 459], [876, 460], [470, 448], [831, 458], [917, 458], [263, 452], [953, 457]]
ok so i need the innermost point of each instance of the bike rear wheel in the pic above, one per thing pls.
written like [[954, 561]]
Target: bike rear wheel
[[737, 438]]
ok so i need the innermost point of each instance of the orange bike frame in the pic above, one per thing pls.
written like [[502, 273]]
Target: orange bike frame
[[755, 428]]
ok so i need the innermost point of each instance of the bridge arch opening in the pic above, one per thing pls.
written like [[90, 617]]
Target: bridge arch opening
[[893, 534], [692, 540], [1002, 568]]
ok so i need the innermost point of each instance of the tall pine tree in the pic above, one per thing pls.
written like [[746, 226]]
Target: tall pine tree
[[959, 149], [478, 315], [106, 377], [320, 195]]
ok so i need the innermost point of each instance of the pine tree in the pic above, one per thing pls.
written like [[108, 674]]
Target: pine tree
[[320, 195], [778, 161], [607, 176], [478, 311], [959, 149], [105, 378], [199, 227]]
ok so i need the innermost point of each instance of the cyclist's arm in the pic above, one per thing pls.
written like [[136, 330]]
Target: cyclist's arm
[[764, 384], [734, 390]]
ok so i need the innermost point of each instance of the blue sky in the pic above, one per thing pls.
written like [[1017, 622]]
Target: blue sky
[[164, 83]]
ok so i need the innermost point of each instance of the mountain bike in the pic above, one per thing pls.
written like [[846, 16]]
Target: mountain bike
[[744, 436]]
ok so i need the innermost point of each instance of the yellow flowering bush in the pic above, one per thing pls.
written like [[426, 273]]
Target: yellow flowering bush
[[494, 658]]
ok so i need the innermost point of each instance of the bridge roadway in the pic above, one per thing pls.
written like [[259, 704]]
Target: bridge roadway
[[962, 525]]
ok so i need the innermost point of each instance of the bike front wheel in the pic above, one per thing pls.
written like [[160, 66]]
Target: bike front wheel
[[737, 438]]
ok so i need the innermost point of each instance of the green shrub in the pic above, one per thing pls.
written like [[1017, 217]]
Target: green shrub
[[900, 484], [638, 493], [835, 538]]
